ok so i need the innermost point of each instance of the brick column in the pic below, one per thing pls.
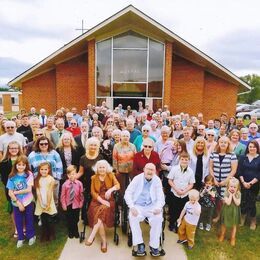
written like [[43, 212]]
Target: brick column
[[91, 72], [167, 98], [7, 102]]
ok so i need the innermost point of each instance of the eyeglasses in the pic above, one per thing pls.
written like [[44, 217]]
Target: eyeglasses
[[42, 144], [145, 130], [148, 146], [210, 135], [10, 127], [73, 123]]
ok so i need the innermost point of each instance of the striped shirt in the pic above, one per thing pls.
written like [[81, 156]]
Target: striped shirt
[[222, 169]]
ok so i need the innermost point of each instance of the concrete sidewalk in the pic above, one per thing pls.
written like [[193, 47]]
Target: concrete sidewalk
[[73, 250]]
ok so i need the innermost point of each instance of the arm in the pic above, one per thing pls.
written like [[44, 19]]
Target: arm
[[228, 199], [14, 199], [27, 190], [81, 172], [50, 194], [181, 216], [237, 199], [115, 158], [211, 171], [59, 166], [63, 197], [39, 197]]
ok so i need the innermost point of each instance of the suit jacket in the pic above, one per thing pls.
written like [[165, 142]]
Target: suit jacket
[[43, 123], [78, 141], [55, 136]]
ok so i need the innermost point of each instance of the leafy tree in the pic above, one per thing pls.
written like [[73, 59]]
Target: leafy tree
[[254, 81]]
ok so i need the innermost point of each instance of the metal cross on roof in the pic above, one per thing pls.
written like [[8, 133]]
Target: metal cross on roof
[[82, 27]]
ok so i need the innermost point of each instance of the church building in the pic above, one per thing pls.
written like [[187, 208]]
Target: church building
[[127, 58]]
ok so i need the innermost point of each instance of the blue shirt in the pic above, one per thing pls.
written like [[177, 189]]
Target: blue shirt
[[145, 197], [134, 134]]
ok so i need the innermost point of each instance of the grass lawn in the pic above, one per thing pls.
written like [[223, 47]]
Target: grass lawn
[[39, 250], [247, 244]]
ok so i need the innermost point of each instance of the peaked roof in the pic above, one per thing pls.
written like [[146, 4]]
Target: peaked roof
[[134, 16]]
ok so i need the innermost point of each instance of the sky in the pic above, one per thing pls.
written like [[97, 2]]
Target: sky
[[226, 30]]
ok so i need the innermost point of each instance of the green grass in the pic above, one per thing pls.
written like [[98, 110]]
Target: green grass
[[44, 251], [207, 246]]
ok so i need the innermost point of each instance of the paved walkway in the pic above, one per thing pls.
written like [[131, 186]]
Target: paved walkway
[[73, 250]]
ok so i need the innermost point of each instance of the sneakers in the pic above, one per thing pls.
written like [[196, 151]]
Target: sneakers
[[141, 250], [19, 243], [201, 226], [32, 240], [154, 251], [181, 241], [190, 247], [208, 227]]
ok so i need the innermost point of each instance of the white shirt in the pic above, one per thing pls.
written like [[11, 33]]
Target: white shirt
[[181, 179], [5, 139], [191, 217]]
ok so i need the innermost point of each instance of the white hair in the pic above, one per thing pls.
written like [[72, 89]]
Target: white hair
[[109, 169], [125, 133], [146, 127]]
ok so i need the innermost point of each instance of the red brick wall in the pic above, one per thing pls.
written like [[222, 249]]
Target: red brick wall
[[40, 92], [187, 87], [219, 96], [72, 83], [7, 103]]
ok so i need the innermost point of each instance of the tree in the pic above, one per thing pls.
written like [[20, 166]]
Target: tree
[[254, 81]]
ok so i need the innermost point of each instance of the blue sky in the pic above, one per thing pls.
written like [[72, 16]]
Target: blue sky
[[227, 31]]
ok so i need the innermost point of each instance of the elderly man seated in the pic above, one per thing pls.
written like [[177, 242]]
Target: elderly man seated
[[145, 199]]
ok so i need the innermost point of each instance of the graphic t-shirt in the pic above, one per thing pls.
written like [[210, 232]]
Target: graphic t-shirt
[[21, 182], [191, 217]]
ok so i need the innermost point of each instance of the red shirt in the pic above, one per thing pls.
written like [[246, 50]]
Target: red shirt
[[74, 130], [140, 160]]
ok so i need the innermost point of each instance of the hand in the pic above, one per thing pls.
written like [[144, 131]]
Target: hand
[[108, 194], [21, 207], [216, 183], [47, 208], [246, 185], [157, 211], [178, 222], [134, 212], [164, 167], [106, 203], [64, 208], [14, 192]]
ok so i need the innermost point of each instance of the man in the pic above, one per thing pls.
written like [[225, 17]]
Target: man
[[56, 134], [76, 116], [145, 199], [130, 126], [82, 138], [42, 117], [33, 112], [25, 129], [187, 131], [49, 127], [9, 136], [69, 117], [73, 128], [253, 134], [201, 131]]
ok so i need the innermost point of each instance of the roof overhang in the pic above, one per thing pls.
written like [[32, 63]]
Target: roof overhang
[[134, 19]]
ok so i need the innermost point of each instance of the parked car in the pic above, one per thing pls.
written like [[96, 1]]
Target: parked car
[[248, 114], [256, 103], [246, 108]]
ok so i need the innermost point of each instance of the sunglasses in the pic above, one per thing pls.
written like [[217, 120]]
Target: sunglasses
[[210, 135], [145, 130], [148, 146], [43, 144], [73, 123], [10, 127]]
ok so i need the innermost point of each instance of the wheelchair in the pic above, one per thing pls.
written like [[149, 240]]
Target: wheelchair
[[87, 199], [126, 229]]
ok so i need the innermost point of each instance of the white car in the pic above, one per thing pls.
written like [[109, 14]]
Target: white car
[[245, 108], [247, 115]]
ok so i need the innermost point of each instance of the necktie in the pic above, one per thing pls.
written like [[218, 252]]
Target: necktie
[[43, 120], [60, 134], [72, 193]]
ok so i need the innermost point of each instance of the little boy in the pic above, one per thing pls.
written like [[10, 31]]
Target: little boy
[[181, 179], [189, 219], [72, 200]]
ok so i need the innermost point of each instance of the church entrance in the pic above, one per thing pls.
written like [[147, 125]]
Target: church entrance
[[133, 102]]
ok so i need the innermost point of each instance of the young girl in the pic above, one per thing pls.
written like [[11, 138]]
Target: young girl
[[230, 213], [19, 184], [208, 195], [45, 206], [72, 200]]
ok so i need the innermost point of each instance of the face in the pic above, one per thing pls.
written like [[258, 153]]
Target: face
[[201, 130], [223, 143], [20, 167], [239, 121], [72, 175], [210, 137], [165, 135], [66, 141], [145, 132], [96, 134], [232, 188], [43, 145], [210, 124], [244, 135], [177, 125], [109, 132], [253, 128], [10, 129], [148, 146], [73, 123], [186, 134], [217, 124], [50, 122], [208, 184], [35, 125], [130, 126], [200, 145], [102, 169], [74, 110], [13, 149], [25, 121], [38, 134], [222, 130], [184, 162], [252, 148], [235, 137], [193, 200], [149, 171], [44, 170], [84, 127], [93, 147], [125, 138]]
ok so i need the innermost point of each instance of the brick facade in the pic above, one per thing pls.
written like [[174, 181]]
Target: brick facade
[[91, 72], [7, 103]]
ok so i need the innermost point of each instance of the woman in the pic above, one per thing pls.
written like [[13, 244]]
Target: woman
[[13, 151], [237, 148], [249, 175], [211, 143], [123, 157], [102, 206], [98, 133], [138, 142], [109, 123], [199, 162], [222, 165], [138, 122], [122, 124], [231, 124], [43, 151], [244, 136], [68, 151], [155, 132], [147, 155]]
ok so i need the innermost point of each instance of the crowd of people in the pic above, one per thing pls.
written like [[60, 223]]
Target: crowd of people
[[201, 172]]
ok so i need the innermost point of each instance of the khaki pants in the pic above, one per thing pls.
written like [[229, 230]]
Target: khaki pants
[[187, 231]]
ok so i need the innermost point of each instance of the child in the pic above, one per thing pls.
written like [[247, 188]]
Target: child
[[208, 195], [45, 206], [19, 184], [230, 213], [181, 179], [187, 225], [72, 200]]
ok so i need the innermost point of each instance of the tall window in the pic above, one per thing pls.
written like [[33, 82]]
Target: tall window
[[129, 65]]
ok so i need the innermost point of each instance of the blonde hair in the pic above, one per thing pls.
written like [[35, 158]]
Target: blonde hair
[[228, 150], [73, 144], [109, 169], [234, 181], [92, 140], [70, 169], [198, 139], [194, 194]]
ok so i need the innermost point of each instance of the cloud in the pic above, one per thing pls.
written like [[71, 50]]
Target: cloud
[[10, 67], [237, 50]]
